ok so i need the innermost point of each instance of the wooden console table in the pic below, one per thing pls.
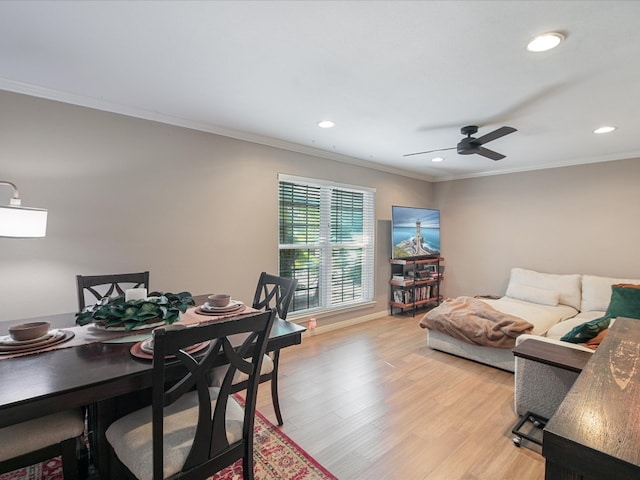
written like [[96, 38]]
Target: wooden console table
[[595, 434]]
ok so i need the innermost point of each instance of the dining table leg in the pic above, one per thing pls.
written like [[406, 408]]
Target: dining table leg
[[105, 412]]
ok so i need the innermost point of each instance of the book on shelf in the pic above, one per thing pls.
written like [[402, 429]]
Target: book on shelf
[[407, 296], [402, 282], [424, 293], [403, 296], [397, 296]]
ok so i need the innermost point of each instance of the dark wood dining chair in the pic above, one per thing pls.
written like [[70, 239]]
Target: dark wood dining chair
[[271, 292], [41, 439], [95, 288], [192, 430], [112, 285]]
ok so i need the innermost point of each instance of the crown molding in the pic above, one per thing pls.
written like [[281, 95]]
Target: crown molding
[[102, 105], [547, 166]]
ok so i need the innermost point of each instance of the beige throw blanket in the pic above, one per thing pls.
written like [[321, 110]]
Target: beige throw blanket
[[476, 322]]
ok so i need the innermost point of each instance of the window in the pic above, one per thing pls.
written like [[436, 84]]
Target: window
[[326, 242]]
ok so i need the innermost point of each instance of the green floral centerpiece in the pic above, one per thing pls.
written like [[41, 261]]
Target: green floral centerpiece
[[116, 312]]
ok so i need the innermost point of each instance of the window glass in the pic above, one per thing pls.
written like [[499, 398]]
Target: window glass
[[326, 242]]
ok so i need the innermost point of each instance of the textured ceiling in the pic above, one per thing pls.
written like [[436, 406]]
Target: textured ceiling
[[396, 77]]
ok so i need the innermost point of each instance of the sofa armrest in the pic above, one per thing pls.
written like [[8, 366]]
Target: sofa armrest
[[525, 336], [538, 387]]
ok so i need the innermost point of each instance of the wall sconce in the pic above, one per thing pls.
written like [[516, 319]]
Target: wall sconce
[[21, 222]]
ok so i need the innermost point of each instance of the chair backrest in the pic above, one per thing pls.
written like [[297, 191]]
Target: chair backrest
[[274, 292], [112, 285], [210, 451]]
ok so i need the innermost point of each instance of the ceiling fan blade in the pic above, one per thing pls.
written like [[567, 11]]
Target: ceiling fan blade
[[500, 132], [485, 152], [429, 151]]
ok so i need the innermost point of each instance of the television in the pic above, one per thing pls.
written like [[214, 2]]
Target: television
[[415, 232]]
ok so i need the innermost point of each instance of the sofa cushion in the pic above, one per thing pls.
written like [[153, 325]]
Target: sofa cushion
[[596, 291], [625, 302], [568, 286], [527, 293], [543, 317], [560, 329]]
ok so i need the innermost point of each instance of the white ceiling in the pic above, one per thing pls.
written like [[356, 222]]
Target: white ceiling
[[396, 77]]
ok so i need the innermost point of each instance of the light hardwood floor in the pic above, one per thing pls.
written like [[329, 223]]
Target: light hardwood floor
[[373, 402]]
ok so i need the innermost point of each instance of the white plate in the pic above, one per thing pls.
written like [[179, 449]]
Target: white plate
[[147, 346], [52, 337], [233, 304], [8, 341], [144, 326]]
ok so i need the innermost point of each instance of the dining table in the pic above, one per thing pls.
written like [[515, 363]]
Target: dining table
[[96, 372]]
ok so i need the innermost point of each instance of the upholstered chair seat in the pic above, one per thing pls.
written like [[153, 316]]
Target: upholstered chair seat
[[130, 436], [36, 440], [239, 377]]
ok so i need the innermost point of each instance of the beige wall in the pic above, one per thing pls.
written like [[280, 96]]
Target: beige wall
[[581, 219], [198, 210], [126, 194]]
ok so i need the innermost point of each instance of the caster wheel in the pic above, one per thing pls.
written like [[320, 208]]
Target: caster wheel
[[517, 441]]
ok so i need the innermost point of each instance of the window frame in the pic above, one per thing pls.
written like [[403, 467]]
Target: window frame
[[326, 247]]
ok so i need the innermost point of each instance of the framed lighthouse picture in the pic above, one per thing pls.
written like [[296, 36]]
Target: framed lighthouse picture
[[415, 232]]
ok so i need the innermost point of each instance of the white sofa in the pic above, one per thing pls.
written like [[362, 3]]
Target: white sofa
[[553, 303]]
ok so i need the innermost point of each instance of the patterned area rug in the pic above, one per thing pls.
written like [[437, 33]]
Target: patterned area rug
[[50, 470], [276, 457]]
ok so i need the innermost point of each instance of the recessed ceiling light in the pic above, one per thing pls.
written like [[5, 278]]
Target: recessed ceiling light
[[437, 159], [604, 130], [545, 41], [326, 124]]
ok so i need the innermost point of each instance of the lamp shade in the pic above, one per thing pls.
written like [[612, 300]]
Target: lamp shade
[[22, 222]]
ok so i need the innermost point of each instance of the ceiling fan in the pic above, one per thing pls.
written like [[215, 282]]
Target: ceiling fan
[[470, 145]]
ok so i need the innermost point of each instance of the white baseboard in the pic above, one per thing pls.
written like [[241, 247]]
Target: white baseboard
[[345, 323]]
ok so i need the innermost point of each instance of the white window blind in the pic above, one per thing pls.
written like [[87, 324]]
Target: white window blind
[[326, 242]]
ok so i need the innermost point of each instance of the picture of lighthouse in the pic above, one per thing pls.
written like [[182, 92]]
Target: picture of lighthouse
[[415, 232]]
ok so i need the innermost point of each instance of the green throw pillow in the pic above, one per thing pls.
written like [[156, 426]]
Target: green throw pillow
[[586, 331], [625, 302]]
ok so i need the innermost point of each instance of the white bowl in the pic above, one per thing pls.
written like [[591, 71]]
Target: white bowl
[[29, 331], [219, 299]]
